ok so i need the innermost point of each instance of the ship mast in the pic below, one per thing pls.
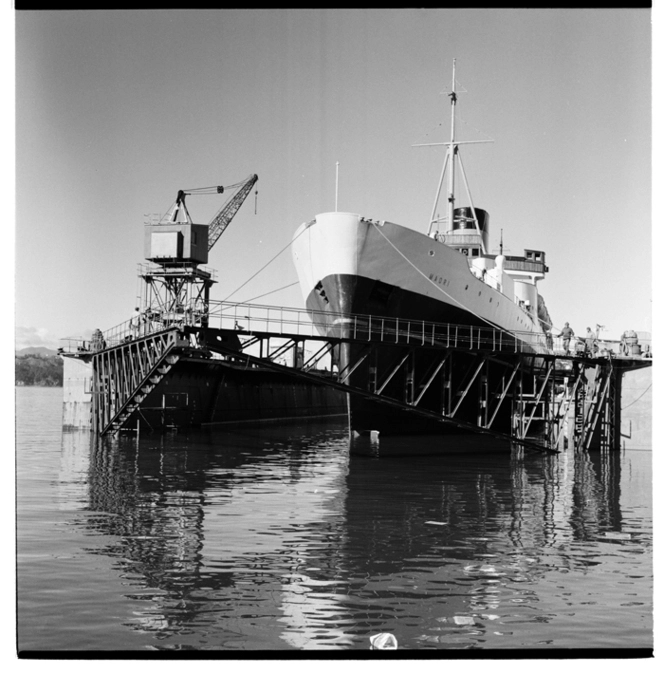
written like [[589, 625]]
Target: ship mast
[[451, 153], [451, 158]]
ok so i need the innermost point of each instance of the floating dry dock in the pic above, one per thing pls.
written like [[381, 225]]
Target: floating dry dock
[[266, 362], [184, 360]]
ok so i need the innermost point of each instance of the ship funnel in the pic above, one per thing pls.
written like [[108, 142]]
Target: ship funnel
[[464, 222]]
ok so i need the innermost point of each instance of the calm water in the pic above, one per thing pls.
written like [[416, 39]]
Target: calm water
[[278, 539]]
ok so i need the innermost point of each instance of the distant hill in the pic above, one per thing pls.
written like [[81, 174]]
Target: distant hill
[[38, 367], [36, 350]]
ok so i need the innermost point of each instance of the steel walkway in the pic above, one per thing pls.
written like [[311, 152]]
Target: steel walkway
[[513, 387]]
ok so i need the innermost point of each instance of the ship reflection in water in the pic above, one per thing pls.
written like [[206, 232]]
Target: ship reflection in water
[[278, 539]]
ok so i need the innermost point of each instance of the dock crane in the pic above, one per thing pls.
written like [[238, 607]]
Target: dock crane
[[171, 317], [178, 214], [177, 289]]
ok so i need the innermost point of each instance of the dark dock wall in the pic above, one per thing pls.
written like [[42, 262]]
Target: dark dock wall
[[199, 392]]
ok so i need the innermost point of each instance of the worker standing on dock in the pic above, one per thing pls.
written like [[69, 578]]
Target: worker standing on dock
[[97, 342], [566, 333], [135, 323], [590, 342]]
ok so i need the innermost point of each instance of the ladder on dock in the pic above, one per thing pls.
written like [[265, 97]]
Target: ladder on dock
[[597, 411], [124, 374]]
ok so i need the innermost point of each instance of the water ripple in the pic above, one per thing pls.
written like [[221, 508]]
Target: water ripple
[[277, 538]]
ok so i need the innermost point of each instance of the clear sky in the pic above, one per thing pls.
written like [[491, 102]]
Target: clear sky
[[117, 110]]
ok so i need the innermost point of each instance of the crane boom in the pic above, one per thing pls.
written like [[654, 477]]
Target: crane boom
[[223, 218]]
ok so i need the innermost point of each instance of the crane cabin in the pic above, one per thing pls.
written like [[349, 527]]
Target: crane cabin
[[176, 240], [176, 243]]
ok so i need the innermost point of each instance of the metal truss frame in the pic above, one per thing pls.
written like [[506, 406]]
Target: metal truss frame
[[177, 294], [123, 375], [474, 384], [412, 399]]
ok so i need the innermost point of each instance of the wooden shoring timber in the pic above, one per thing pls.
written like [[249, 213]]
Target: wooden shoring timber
[[367, 394]]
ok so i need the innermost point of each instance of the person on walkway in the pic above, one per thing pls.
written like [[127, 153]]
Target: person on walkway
[[590, 342], [135, 323], [566, 333], [97, 341]]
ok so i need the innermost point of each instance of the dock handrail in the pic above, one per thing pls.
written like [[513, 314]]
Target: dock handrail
[[297, 322], [246, 318]]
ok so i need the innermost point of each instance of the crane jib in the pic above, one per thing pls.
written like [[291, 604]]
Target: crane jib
[[179, 214], [223, 218]]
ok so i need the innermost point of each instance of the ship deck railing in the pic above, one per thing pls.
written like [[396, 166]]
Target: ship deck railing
[[301, 324], [317, 325]]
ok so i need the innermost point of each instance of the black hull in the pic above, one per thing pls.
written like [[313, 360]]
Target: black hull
[[363, 296]]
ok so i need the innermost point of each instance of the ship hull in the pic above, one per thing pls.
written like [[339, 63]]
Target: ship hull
[[349, 265]]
